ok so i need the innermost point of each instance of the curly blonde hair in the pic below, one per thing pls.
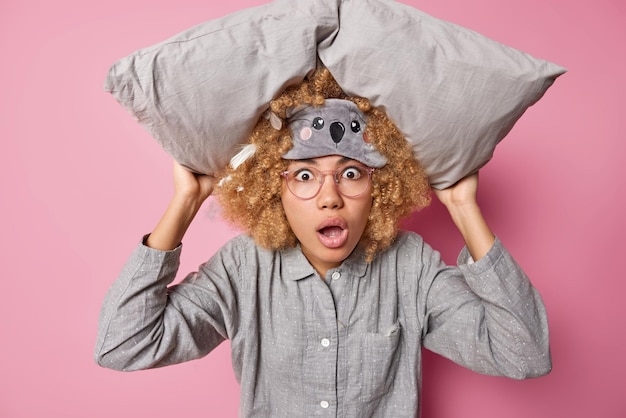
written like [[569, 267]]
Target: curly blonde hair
[[251, 194]]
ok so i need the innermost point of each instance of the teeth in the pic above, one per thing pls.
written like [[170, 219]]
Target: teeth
[[332, 231]]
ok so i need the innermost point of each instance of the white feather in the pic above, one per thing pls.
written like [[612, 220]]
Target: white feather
[[242, 156], [224, 180]]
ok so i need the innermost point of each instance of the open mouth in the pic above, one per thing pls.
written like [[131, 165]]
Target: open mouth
[[333, 233]]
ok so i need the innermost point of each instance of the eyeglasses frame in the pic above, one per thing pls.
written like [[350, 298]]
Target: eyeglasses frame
[[324, 173]]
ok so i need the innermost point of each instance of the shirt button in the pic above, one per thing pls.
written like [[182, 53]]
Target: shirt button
[[324, 404], [336, 276], [325, 342]]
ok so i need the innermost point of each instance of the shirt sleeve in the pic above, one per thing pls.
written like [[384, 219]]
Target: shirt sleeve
[[487, 316], [145, 322]]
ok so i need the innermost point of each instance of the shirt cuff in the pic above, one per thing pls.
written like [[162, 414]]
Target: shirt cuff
[[485, 263], [145, 239]]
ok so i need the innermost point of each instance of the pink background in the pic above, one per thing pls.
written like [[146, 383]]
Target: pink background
[[81, 182]]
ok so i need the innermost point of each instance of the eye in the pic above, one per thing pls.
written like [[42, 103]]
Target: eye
[[352, 173], [355, 126], [318, 123], [303, 175]]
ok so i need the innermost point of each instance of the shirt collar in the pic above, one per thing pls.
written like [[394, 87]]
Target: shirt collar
[[297, 267]]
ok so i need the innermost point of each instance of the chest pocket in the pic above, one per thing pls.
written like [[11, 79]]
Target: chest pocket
[[378, 360]]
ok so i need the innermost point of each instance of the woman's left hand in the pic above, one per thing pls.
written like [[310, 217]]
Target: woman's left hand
[[461, 193]]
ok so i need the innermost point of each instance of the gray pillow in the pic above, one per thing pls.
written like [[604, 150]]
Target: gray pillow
[[454, 93], [201, 92]]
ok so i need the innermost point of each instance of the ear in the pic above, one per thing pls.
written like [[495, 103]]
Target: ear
[[275, 120]]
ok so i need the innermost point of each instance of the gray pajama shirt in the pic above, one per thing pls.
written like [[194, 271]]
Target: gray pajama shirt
[[346, 346]]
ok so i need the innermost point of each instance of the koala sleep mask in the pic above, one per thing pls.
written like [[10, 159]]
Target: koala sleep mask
[[336, 128]]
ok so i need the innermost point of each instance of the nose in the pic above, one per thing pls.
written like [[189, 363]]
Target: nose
[[328, 196], [336, 131]]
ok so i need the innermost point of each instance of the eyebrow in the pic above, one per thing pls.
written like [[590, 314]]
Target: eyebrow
[[314, 161]]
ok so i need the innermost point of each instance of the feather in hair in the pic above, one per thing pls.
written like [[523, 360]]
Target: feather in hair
[[242, 156]]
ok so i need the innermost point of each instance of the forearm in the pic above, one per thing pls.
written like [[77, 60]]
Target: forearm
[[190, 191], [174, 223], [460, 200], [476, 233]]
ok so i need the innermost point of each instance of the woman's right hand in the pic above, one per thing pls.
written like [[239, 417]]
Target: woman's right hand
[[189, 185]]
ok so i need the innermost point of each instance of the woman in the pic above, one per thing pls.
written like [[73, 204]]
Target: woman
[[326, 304]]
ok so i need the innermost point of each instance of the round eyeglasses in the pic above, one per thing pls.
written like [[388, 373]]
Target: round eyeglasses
[[306, 182]]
